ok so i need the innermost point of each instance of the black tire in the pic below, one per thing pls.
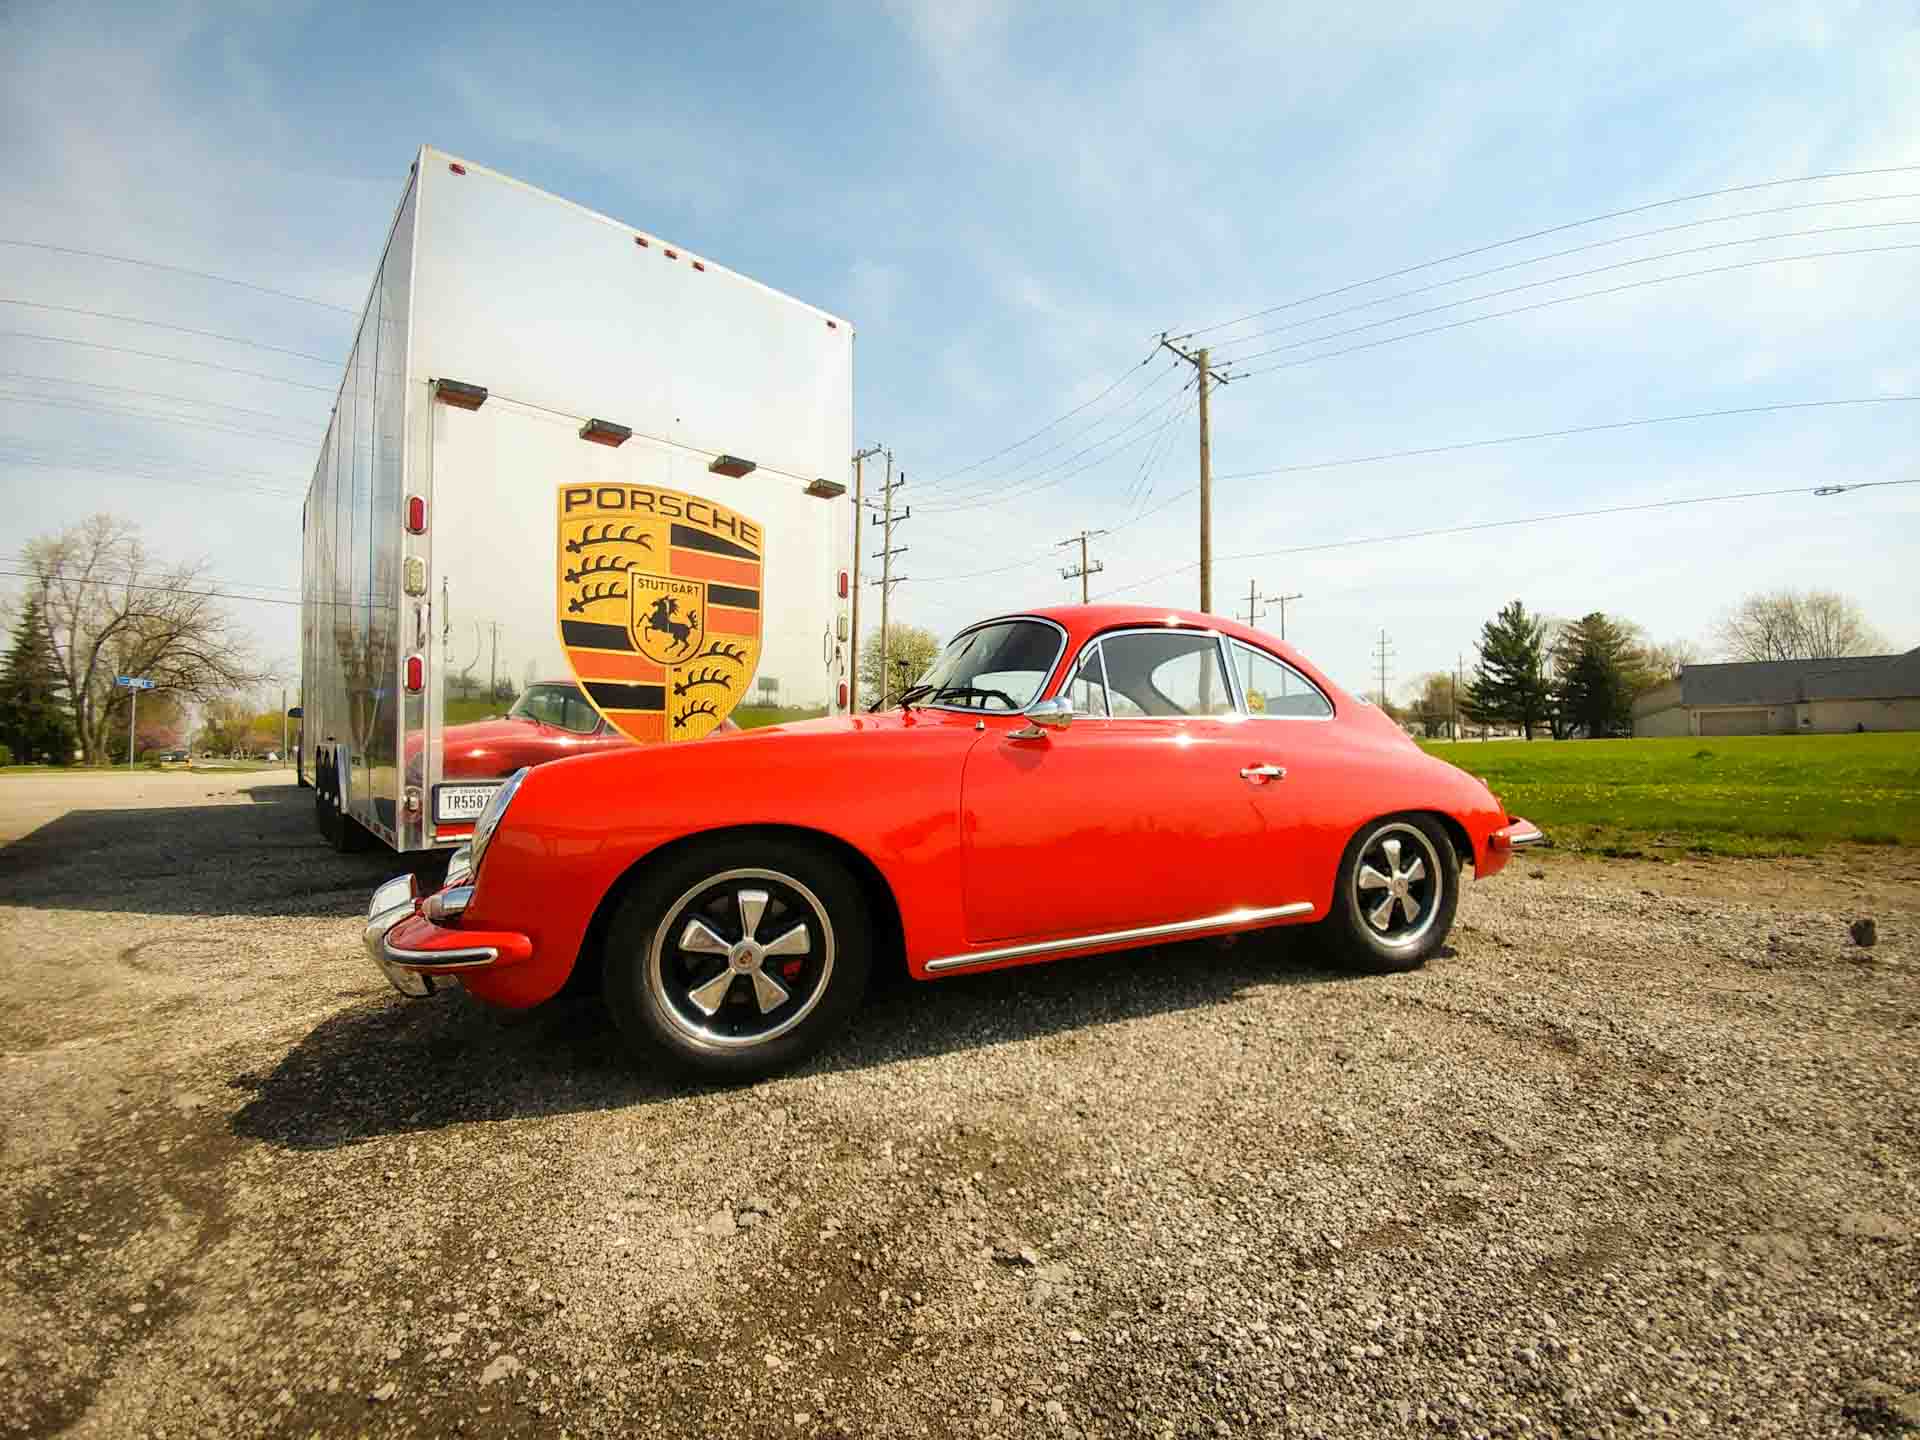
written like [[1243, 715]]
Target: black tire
[[344, 835], [1428, 879], [657, 991]]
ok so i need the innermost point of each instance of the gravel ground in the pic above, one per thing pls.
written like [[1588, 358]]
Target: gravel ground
[[1626, 1159]]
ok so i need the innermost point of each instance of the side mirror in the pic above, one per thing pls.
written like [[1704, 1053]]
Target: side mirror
[[1053, 714], [294, 713]]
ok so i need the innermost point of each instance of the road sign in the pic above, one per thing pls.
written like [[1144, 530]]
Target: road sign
[[133, 682]]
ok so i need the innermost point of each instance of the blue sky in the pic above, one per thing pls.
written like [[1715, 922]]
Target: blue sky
[[1009, 202]]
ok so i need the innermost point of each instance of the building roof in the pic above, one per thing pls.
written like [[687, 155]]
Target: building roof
[[1788, 682]]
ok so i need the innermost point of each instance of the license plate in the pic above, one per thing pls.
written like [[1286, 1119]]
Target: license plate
[[461, 802]]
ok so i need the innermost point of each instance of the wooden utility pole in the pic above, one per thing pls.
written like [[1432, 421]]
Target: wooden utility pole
[[1383, 652], [1208, 378], [885, 555], [859, 499], [1281, 601], [1453, 697], [1085, 569]]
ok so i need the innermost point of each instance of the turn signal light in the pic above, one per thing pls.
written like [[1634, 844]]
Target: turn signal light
[[417, 675], [417, 515]]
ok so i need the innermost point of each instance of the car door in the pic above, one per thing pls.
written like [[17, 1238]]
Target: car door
[[1134, 815]]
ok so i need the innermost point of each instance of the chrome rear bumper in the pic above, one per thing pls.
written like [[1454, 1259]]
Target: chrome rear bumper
[[393, 902]]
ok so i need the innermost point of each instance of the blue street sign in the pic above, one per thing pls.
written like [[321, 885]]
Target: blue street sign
[[132, 682]]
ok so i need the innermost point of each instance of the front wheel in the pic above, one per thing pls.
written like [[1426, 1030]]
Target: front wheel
[[737, 960], [1394, 895]]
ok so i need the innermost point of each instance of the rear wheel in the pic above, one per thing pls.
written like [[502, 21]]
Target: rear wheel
[[341, 831], [1394, 896], [738, 959]]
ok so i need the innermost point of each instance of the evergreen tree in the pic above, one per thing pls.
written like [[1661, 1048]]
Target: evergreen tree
[[34, 719], [1510, 684], [1597, 661]]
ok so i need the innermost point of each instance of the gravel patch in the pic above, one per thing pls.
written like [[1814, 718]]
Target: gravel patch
[[1621, 1162]]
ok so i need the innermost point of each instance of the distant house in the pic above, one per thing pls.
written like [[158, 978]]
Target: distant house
[[1785, 697]]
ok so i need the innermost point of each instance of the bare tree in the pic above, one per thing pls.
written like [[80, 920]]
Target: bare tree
[[1796, 625], [112, 610]]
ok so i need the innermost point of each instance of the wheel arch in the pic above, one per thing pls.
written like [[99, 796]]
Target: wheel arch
[[889, 932]]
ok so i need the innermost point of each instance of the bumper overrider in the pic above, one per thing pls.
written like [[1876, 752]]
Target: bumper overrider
[[416, 941]]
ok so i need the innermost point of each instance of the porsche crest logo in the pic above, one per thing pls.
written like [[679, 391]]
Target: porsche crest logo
[[659, 606]]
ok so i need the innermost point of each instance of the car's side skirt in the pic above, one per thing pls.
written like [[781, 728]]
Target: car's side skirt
[[1227, 920]]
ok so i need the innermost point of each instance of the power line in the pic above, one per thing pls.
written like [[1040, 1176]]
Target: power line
[[1424, 450], [1579, 249], [1570, 299], [1014, 479], [178, 270], [1125, 375], [114, 569], [1561, 434], [1028, 488], [160, 589], [60, 403], [166, 325], [37, 463], [1555, 230], [1538, 284], [172, 359], [155, 395], [153, 461], [1527, 520]]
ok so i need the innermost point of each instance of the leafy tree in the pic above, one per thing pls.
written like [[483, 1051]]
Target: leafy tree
[[1797, 625], [34, 719], [1432, 705], [910, 643], [1595, 663], [1510, 684]]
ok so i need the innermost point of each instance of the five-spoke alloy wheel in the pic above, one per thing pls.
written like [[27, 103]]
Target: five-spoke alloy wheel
[[1395, 894], [737, 958]]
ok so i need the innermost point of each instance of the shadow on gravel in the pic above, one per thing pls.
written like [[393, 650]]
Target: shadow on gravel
[[260, 858], [390, 1066]]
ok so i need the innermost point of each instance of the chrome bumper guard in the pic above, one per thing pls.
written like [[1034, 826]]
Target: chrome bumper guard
[[395, 901], [1521, 839]]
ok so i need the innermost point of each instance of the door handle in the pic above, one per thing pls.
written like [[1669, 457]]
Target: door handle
[[1263, 772]]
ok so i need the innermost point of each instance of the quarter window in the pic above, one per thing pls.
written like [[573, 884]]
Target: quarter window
[[1165, 672], [1274, 689]]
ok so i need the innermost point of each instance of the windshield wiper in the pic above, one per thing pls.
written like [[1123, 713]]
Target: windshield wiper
[[911, 694]]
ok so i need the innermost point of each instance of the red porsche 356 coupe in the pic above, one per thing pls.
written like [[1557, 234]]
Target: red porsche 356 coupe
[[1060, 782]]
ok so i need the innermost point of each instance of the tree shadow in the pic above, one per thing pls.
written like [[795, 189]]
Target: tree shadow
[[263, 857], [386, 1065]]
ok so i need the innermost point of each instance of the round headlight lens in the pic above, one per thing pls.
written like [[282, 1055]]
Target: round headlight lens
[[490, 817]]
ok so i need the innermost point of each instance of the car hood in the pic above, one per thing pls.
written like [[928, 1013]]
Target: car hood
[[490, 732]]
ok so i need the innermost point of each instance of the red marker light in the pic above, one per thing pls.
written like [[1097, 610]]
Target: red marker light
[[843, 584], [456, 167], [417, 675], [671, 254], [699, 265], [641, 241], [416, 515], [843, 694]]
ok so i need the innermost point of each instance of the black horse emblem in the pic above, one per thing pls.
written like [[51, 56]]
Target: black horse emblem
[[660, 619]]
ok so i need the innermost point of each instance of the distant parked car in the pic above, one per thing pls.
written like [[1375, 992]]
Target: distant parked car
[[175, 757]]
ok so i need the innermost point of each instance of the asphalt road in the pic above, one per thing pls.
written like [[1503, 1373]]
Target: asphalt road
[[1638, 1154]]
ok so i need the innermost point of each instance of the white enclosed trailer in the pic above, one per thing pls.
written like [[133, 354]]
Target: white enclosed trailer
[[563, 450]]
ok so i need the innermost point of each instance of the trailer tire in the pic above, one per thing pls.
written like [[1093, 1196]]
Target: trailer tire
[[344, 835]]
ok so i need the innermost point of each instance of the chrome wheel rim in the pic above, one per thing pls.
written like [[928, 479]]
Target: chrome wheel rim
[[1398, 885], [741, 958]]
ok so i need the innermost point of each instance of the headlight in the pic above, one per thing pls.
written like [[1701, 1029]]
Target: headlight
[[490, 817]]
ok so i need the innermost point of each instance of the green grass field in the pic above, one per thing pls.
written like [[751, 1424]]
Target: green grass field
[[1758, 795]]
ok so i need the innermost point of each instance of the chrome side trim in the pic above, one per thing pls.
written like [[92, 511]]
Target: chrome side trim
[[1525, 838], [1229, 919]]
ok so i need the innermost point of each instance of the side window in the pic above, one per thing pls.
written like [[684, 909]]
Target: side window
[[1087, 691], [1166, 672], [1274, 689]]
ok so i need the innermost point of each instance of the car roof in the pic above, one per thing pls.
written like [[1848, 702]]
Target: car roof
[[1083, 621]]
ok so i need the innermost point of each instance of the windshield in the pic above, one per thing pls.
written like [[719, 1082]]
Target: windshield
[[1000, 667], [558, 705]]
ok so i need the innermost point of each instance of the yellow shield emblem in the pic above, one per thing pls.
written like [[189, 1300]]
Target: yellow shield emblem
[[658, 603]]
